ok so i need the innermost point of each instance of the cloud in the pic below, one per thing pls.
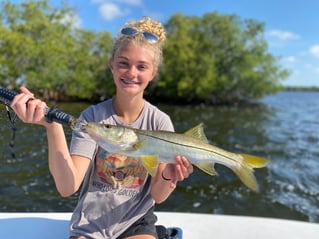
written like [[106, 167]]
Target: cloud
[[110, 11], [132, 2], [283, 35], [314, 50], [290, 59]]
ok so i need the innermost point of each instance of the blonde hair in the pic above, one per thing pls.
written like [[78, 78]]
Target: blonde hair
[[148, 25]]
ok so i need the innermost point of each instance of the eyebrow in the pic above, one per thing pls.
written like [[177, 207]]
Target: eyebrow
[[140, 61]]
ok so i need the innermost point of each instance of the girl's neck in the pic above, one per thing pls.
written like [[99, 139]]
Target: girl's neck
[[128, 110]]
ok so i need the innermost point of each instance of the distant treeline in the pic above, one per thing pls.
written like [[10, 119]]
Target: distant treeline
[[301, 88], [215, 58]]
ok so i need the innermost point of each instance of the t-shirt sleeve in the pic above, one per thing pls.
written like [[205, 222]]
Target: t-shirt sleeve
[[81, 143], [155, 119], [165, 122]]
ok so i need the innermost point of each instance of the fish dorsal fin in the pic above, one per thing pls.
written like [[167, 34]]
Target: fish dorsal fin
[[197, 132]]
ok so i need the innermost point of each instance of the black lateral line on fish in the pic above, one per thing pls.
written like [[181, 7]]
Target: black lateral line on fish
[[193, 146]]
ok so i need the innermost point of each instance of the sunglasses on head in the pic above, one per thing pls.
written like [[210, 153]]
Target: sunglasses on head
[[131, 31]]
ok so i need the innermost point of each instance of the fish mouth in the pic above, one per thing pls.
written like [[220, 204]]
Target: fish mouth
[[86, 128]]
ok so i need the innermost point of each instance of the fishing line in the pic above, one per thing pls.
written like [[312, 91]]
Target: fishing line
[[13, 127]]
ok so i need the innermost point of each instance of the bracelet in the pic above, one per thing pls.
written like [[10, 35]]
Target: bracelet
[[166, 179]]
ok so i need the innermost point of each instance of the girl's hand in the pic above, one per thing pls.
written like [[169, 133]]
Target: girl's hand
[[178, 171], [28, 108]]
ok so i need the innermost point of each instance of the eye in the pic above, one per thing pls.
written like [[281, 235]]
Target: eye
[[143, 67], [122, 64], [108, 126]]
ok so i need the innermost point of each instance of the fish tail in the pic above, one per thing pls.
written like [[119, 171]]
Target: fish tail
[[254, 161], [150, 163], [246, 171], [247, 176]]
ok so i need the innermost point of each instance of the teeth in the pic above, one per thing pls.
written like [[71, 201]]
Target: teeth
[[128, 82]]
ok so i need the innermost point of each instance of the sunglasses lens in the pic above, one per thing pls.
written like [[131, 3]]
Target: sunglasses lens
[[150, 37], [128, 31]]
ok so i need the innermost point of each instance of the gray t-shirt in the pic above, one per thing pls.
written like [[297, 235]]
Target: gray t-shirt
[[116, 189]]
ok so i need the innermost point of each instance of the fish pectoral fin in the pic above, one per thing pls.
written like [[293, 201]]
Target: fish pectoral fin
[[139, 145], [150, 163], [197, 132], [254, 161], [207, 167]]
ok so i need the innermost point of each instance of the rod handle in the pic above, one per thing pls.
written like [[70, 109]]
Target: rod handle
[[59, 116], [6, 95], [51, 114]]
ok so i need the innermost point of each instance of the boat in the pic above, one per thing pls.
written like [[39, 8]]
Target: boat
[[54, 225]]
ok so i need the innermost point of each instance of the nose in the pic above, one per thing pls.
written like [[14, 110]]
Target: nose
[[132, 71]]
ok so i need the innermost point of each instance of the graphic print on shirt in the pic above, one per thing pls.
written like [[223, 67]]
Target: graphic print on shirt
[[120, 170]]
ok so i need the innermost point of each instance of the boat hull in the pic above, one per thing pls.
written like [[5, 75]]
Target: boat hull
[[193, 225]]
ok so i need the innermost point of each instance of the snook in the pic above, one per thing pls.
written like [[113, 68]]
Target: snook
[[154, 147]]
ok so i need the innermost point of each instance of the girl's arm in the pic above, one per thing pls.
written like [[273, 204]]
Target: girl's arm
[[167, 176], [68, 172]]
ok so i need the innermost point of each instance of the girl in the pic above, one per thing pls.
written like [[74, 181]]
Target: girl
[[117, 195]]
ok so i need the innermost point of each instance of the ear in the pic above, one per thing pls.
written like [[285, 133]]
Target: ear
[[110, 63], [154, 74]]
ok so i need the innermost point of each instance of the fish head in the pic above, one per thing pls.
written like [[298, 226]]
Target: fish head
[[111, 137]]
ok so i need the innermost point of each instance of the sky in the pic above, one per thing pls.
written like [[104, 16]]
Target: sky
[[291, 26]]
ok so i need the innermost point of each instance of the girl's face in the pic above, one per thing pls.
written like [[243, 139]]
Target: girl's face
[[133, 68]]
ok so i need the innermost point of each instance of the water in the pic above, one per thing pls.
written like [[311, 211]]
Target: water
[[283, 128]]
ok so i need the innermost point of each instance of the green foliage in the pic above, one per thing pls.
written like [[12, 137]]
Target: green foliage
[[41, 49], [214, 58], [218, 59]]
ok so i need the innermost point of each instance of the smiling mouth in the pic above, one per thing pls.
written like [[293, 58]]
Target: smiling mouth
[[127, 82]]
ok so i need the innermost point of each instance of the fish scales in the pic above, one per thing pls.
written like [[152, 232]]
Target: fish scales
[[188, 146]]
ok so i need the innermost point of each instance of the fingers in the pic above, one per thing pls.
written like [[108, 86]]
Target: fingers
[[31, 98], [35, 110], [28, 109], [182, 169], [19, 104], [183, 166], [178, 171], [26, 91]]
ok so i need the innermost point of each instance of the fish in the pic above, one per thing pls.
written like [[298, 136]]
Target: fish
[[152, 147]]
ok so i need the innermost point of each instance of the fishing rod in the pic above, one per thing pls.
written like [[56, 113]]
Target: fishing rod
[[52, 114]]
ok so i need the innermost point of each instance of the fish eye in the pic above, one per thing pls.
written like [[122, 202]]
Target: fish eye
[[108, 126]]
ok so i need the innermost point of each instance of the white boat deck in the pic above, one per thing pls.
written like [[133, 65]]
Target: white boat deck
[[202, 226]]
